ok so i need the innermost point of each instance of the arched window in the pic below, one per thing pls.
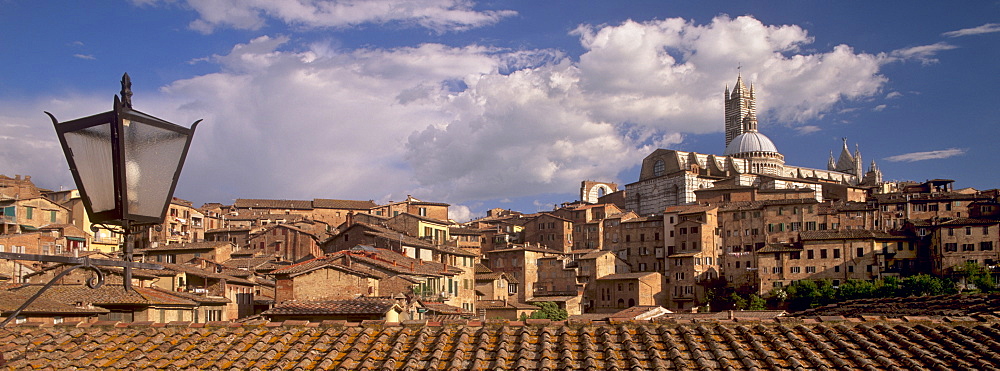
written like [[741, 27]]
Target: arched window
[[658, 168]]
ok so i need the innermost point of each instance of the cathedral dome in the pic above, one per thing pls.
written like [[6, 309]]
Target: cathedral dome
[[751, 141]]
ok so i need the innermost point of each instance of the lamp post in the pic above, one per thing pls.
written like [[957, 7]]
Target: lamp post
[[126, 164]]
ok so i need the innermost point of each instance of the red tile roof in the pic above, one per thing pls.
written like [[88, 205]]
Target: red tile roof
[[327, 307], [321, 203], [539, 344]]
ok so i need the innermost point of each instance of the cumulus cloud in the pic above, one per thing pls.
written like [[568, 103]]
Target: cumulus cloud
[[923, 53], [465, 123], [672, 76], [460, 213], [986, 28], [928, 155], [437, 15]]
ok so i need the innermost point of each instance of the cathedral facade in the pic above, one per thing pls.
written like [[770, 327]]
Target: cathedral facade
[[671, 177]]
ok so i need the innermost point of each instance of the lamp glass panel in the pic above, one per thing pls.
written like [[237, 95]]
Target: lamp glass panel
[[152, 155], [91, 151]]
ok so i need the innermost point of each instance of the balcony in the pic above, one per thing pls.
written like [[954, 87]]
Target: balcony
[[682, 297]]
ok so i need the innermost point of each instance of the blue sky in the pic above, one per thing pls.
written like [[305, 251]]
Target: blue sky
[[508, 104]]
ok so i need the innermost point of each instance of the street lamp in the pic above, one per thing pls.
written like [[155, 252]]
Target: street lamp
[[126, 164]]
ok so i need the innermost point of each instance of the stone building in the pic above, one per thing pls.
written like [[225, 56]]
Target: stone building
[[550, 231], [837, 256], [693, 252], [433, 210], [670, 177], [954, 242], [289, 242], [521, 263], [624, 290]]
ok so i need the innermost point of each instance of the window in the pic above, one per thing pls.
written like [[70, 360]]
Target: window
[[795, 269], [658, 168], [968, 231], [810, 226], [422, 211], [951, 231], [52, 216], [836, 268], [775, 270], [694, 230], [810, 254], [850, 269], [810, 269], [986, 246], [29, 212], [951, 246], [836, 253], [861, 251], [968, 247], [795, 255], [986, 230]]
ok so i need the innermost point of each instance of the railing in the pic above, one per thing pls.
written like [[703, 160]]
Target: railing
[[8, 219]]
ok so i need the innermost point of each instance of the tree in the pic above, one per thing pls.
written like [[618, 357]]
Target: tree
[[923, 284], [549, 310], [807, 294], [978, 277], [856, 289], [756, 303]]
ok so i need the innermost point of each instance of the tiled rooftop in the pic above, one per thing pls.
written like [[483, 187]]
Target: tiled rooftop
[[941, 305], [539, 344], [323, 307]]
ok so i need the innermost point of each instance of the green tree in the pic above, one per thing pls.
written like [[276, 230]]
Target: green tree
[[737, 302], [807, 294], [550, 311], [923, 284], [978, 276], [856, 289], [756, 303]]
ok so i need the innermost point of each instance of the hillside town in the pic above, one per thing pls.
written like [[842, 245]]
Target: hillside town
[[660, 247], [691, 222]]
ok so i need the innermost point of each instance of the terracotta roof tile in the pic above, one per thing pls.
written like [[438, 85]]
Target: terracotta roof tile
[[633, 345], [321, 203]]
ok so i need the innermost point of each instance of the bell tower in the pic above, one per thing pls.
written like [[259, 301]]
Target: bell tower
[[740, 109]]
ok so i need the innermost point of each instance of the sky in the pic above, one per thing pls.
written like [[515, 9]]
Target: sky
[[509, 104]]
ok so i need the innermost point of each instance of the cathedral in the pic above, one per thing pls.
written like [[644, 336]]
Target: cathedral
[[750, 159]]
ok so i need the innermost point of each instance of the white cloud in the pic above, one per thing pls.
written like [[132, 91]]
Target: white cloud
[[85, 56], [880, 108], [986, 28], [675, 71], [923, 53], [929, 155], [458, 124], [893, 95], [807, 129], [460, 213], [437, 15]]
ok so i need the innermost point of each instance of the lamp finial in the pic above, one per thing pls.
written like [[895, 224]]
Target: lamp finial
[[126, 91]]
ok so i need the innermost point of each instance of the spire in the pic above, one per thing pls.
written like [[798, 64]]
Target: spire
[[831, 164]]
